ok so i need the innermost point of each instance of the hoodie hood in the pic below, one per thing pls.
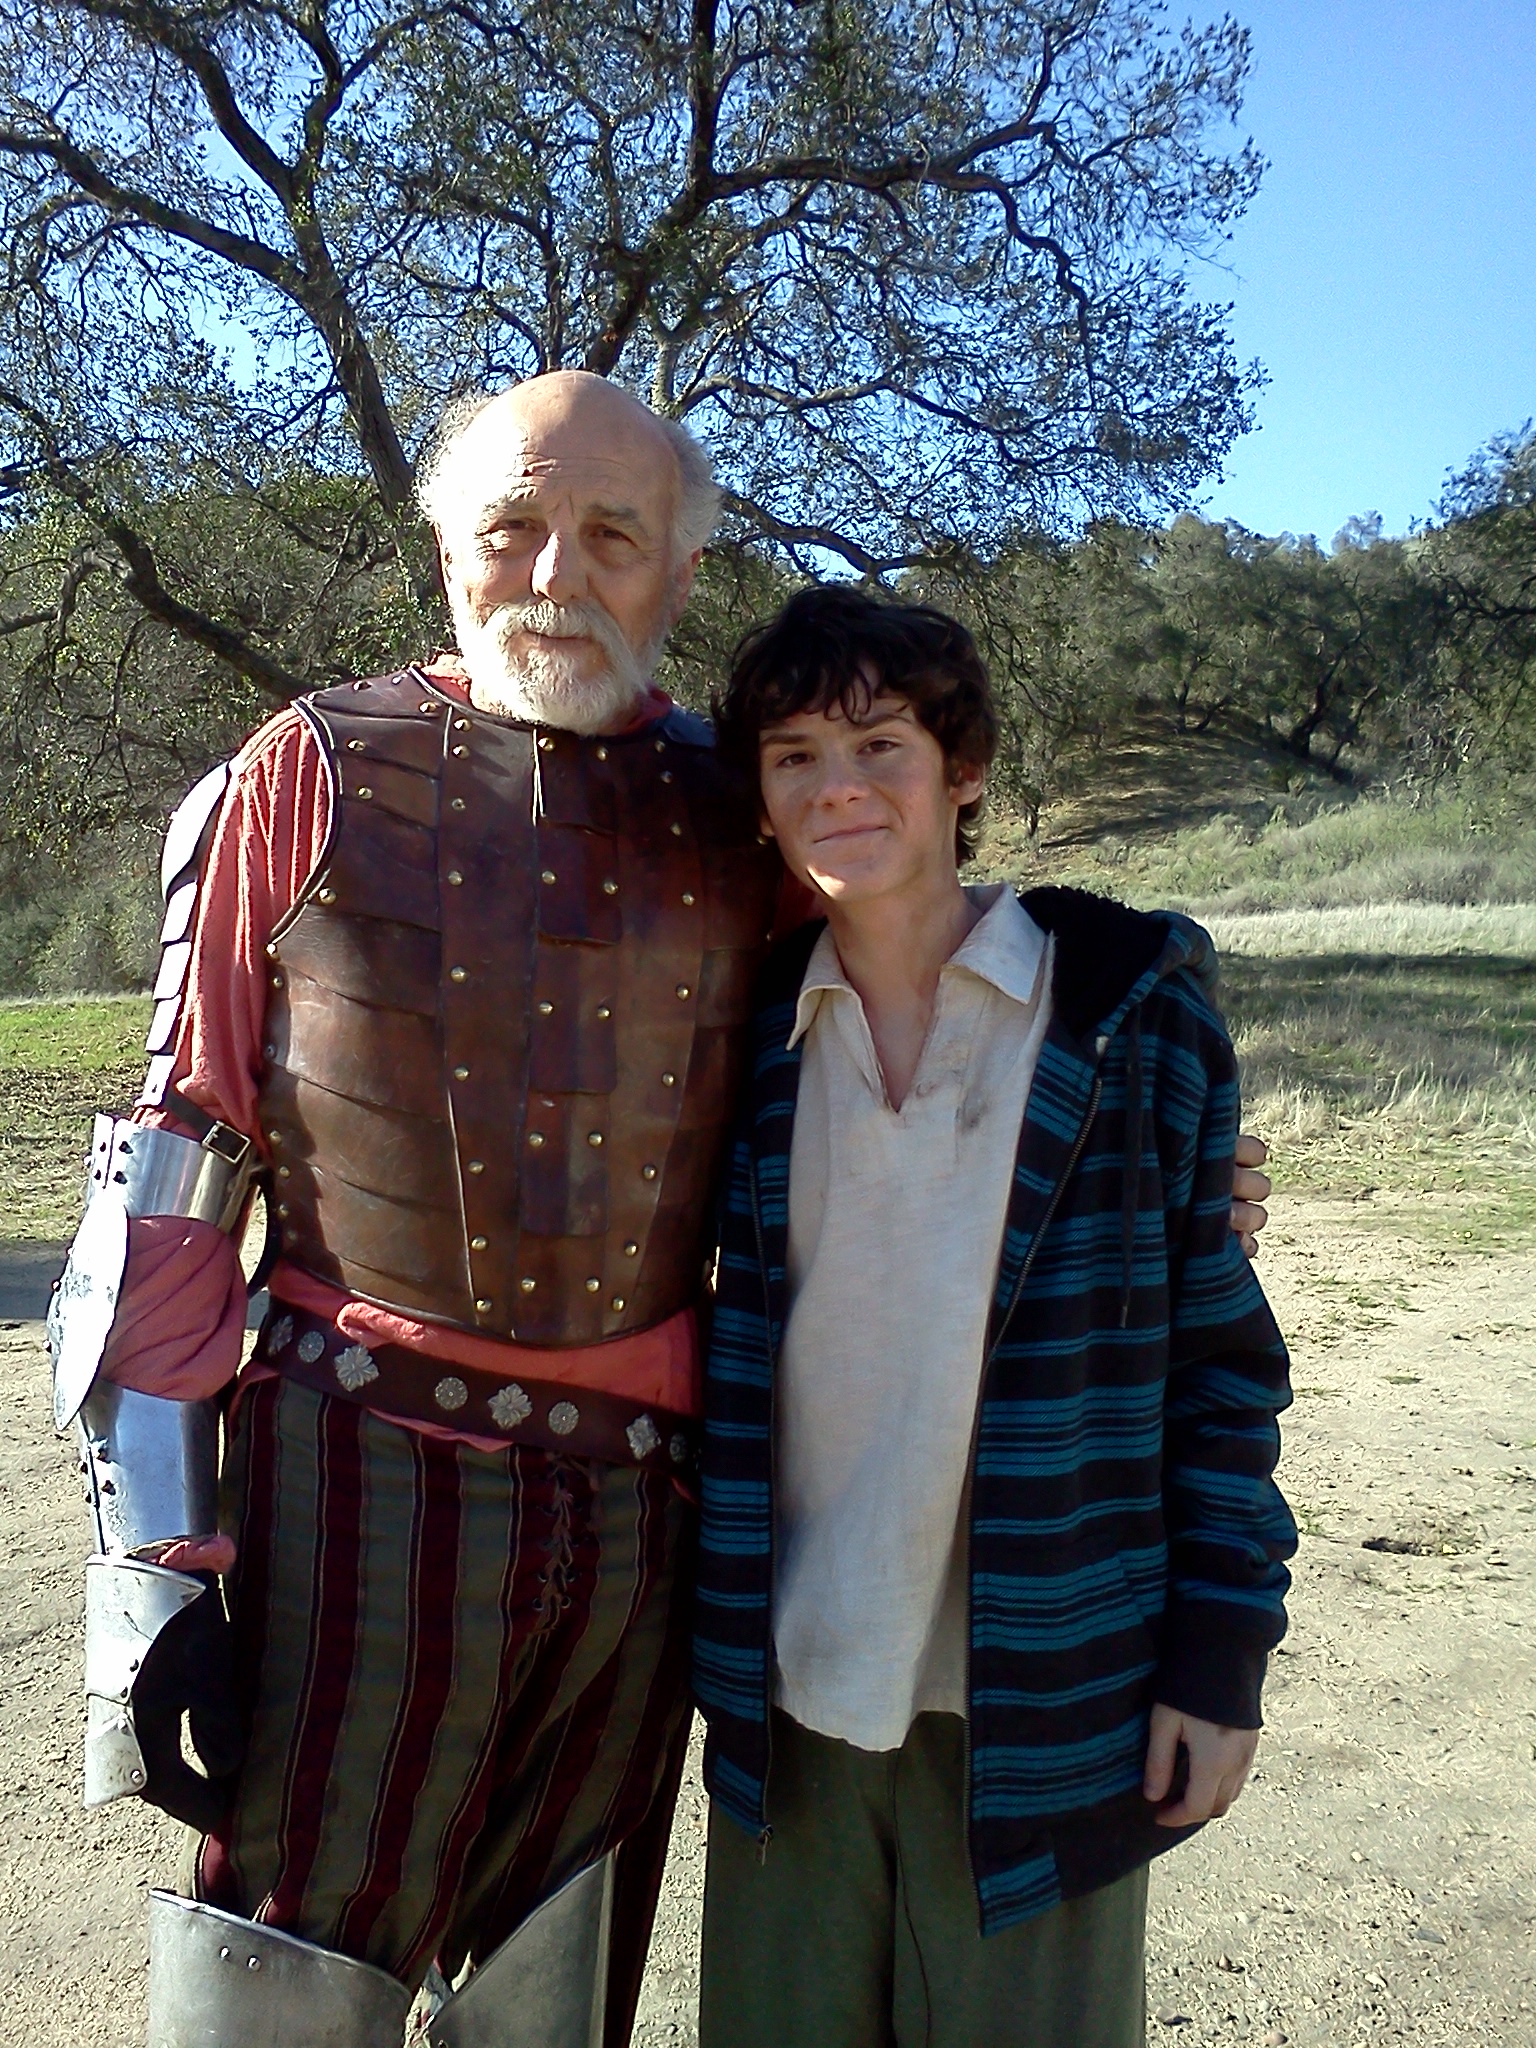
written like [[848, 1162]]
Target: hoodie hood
[[1108, 957]]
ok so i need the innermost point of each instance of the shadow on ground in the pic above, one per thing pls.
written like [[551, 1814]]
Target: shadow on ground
[[28, 1269]]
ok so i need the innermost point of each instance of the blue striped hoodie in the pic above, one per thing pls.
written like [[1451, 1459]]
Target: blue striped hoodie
[[1127, 1540]]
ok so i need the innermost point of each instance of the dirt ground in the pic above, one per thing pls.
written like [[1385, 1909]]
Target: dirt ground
[[1376, 1883]]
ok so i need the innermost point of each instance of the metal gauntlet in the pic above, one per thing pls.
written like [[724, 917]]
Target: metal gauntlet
[[150, 1465]]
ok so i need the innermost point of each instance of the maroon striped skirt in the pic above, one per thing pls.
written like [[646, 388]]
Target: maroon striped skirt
[[466, 1674]]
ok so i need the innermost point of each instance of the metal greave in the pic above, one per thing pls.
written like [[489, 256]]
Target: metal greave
[[217, 1981], [546, 1986]]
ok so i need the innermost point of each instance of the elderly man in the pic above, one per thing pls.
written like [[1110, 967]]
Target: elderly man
[[458, 957], [463, 958]]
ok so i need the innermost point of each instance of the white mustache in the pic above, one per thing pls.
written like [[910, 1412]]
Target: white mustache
[[578, 621]]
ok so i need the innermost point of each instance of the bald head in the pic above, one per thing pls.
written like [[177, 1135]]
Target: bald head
[[570, 416], [569, 521]]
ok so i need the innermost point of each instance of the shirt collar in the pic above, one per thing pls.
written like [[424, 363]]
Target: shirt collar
[[1004, 947]]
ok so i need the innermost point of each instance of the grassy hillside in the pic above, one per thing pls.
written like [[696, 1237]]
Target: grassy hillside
[[1379, 964]]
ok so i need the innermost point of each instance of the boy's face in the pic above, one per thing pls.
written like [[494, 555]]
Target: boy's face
[[862, 808]]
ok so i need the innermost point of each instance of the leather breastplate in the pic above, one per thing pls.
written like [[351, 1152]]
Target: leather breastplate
[[504, 1023]]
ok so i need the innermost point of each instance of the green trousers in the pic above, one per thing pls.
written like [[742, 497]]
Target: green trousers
[[858, 1927]]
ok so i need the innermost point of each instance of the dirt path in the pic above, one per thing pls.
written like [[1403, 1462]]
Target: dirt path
[[1376, 1882]]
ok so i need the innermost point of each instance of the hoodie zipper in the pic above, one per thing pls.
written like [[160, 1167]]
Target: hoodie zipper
[[765, 1835], [1013, 1301]]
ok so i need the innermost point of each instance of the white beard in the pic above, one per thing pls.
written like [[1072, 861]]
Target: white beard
[[545, 685]]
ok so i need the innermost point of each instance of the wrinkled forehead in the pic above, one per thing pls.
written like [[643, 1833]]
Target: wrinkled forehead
[[602, 460]]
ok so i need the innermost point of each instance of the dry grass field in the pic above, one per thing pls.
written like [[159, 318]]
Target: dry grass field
[[1374, 1884]]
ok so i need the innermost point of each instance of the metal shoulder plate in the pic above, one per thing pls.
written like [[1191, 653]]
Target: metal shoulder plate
[[181, 865]]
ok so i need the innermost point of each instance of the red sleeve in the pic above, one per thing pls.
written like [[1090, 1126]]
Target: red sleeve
[[181, 1311], [270, 836]]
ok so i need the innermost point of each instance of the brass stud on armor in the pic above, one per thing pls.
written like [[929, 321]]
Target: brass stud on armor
[[669, 1080], [482, 1306], [602, 753], [357, 746], [547, 876], [546, 744], [429, 709], [456, 803], [647, 1173], [460, 752], [269, 1052], [365, 793], [666, 774], [593, 1285], [546, 1009], [271, 950], [277, 981], [461, 1073], [477, 1244], [604, 1012], [535, 1139], [631, 1250], [594, 1137], [661, 746], [455, 879], [285, 1173], [527, 1283], [282, 1208], [275, 1137], [617, 1303], [683, 991], [677, 830], [688, 899], [610, 888], [327, 896], [477, 1166], [461, 725], [457, 974]]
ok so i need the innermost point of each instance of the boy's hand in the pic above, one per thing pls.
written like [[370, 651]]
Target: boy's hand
[[1219, 1762], [1250, 1191]]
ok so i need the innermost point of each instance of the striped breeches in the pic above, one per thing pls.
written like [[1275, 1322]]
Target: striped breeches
[[466, 1675]]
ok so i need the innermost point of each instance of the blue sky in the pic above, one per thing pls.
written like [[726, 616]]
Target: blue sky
[[1386, 274]]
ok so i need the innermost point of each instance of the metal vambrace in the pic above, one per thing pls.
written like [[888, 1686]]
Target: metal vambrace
[[150, 1465]]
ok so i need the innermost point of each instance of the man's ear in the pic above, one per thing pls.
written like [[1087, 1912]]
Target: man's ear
[[682, 585], [763, 825]]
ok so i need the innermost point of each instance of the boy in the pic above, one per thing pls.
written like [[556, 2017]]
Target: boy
[[991, 1553]]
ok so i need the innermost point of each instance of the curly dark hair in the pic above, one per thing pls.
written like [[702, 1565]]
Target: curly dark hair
[[823, 648]]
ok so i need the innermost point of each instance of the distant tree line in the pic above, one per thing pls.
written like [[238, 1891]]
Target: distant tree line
[[1379, 660]]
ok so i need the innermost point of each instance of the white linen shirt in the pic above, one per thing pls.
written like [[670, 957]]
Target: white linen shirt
[[895, 1225]]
